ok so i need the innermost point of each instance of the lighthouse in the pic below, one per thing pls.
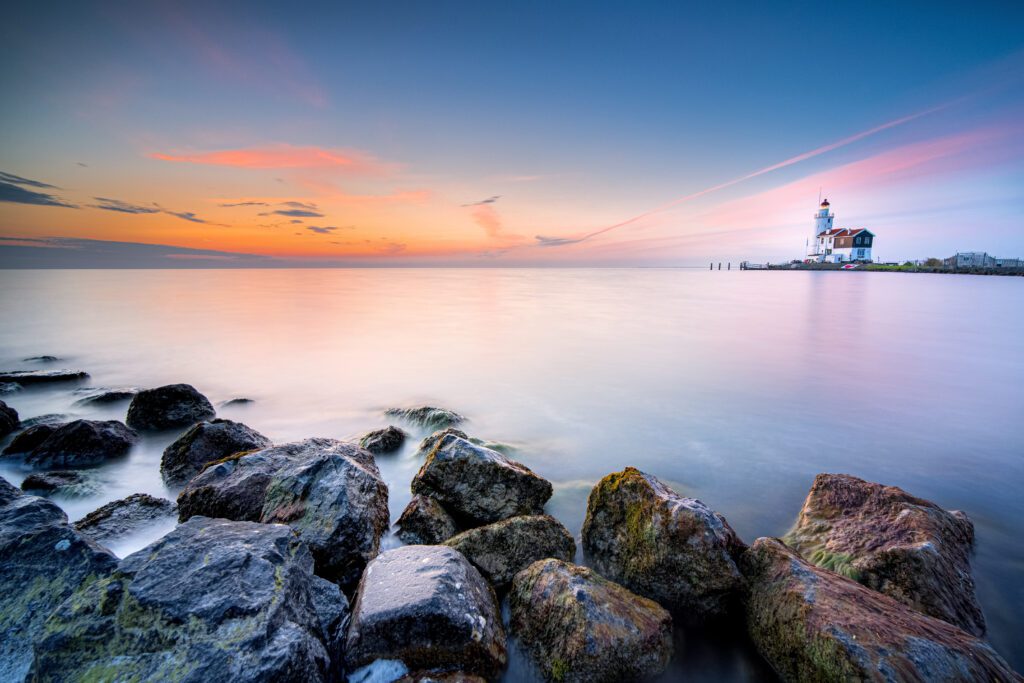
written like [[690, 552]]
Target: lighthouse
[[838, 245], [822, 223]]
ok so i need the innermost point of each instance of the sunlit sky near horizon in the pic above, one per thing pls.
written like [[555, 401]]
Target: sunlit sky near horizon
[[458, 133]]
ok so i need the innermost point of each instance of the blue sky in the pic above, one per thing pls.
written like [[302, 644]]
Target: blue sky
[[578, 116]]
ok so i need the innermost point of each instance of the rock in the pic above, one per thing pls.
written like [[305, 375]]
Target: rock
[[234, 402], [9, 388], [384, 440], [430, 442], [168, 407], [43, 560], [428, 608], [83, 443], [425, 522], [881, 536], [8, 419], [27, 377], [675, 550], [428, 417], [814, 625], [29, 439], [124, 516], [578, 626], [332, 609], [56, 419], [41, 359], [213, 600], [479, 486], [101, 396], [66, 482], [329, 491], [204, 443], [503, 549]]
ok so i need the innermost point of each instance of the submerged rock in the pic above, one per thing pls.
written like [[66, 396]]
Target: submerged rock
[[478, 485], [329, 491], [83, 443], [29, 439], [578, 626], [425, 522], [384, 440], [814, 625], [233, 402], [503, 549], [675, 550], [8, 419], [41, 359], [213, 600], [428, 608], [168, 407], [430, 442], [9, 388], [55, 419], [124, 516], [204, 443], [101, 396], [881, 536], [429, 417], [66, 482], [27, 377], [43, 560]]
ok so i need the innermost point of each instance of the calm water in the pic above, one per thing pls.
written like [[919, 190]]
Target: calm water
[[734, 387]]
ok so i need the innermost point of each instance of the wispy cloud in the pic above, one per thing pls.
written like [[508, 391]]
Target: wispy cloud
[[11, 190], [280, 157], [229, 205], [489, 200], [122, 207], [488, 219], [69, 252], [543, 241], [296, 213], [323, 230]]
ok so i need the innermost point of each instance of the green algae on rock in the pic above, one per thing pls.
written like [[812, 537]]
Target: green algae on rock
[[881, 536], [502, 549], [580, 627], [675, 550], [812, 624], [428, 417], [204, 443]]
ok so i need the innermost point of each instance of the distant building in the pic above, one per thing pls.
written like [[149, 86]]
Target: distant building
[[981, 259], [837, 245]]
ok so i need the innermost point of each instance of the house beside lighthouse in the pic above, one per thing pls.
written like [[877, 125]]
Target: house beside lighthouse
[[837, 245]]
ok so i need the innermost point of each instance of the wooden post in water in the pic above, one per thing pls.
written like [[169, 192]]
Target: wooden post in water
[[711, 266], [719, 265], [729, 266]]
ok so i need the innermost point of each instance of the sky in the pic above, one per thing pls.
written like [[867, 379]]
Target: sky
[[505, 134]]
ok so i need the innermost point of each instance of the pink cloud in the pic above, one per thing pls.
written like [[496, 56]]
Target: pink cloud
[[279, 157], [487, 218]]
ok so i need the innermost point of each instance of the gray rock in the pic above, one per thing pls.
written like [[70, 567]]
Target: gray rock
[[329, 491], [8, 419], [429, 608], [41, 359], [332, 609], [382, 441], [65, 482], [425, 522], [29, 439], [479, 486], [121, 517], [204, 443], [82, 443], [213, 600], [9, 388], [168, 407], [28, 377], [237, 402], [55, 419], [429, 442], [812, 624], [579, 627], [43, 560], [675, 550], [101, 396], [503, 549], [429, 417]]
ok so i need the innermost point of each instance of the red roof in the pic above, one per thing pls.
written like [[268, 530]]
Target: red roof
[[844, 232]]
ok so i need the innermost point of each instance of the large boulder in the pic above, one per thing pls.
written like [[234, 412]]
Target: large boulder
[[675, 550], [329, 491], [29, 439], [503, 549], [65, 482], [82, 443], [168, 407], [428, 417], [425, 522], [121, 517], [812, 624], [578, 626], [29, 377], [881, 536], [382, 441], [8, 419], [213, 600], [204, 443], [478, 485], [429, 608], [43, 560]]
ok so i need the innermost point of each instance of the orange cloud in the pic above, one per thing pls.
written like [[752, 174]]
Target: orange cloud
[[281, 156], [487, 218]]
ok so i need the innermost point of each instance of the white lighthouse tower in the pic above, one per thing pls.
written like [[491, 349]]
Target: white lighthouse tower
[[822, 223]]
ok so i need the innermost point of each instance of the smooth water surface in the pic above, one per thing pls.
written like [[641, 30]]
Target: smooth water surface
[[733, 387]]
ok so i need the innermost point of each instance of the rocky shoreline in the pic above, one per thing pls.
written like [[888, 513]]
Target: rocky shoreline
[[276, 569]]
